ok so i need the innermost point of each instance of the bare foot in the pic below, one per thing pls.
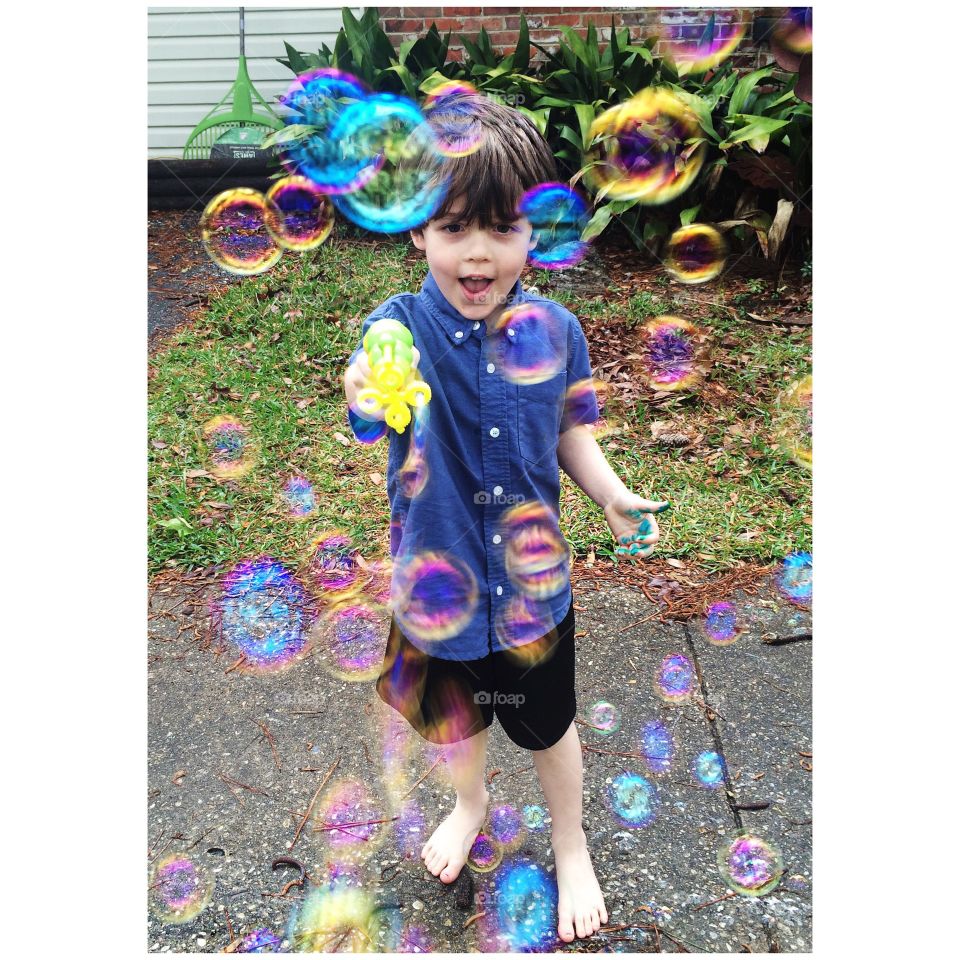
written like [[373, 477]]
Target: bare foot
[[446, 851], [580, 908]]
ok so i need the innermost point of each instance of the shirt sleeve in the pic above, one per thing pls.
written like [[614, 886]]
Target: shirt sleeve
[[580, 404], [368, 431]]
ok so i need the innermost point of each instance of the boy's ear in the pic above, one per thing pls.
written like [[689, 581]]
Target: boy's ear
[[417, 236]]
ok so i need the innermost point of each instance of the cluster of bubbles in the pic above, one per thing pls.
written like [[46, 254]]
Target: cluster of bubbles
[[179, 888], [793, 421], [245, 231], [231, 451], [675, 678], [604, 717], [710, 48], [674, 353], [639, 149], [265, 612], [632, 799], [695, 253], [720, 624], [750, 865], [795, 578]]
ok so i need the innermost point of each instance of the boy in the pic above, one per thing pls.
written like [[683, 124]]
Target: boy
[[492, 634]]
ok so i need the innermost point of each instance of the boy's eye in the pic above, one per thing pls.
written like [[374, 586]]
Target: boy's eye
[[502, 228]]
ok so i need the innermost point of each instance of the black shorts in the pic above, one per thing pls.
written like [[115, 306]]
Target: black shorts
[[530, 689]]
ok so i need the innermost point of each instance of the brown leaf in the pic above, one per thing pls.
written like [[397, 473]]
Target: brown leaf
[[675, 563], [193, 474], [769, 172], [178, 777], [342, 439], [254, 396], [288, 381], [217, 505], [158, 445], [376, 478], [303, 404]]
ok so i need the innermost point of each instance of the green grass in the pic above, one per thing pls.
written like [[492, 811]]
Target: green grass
[[271, 351]]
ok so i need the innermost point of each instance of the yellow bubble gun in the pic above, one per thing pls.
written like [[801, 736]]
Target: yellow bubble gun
[[389, 348]]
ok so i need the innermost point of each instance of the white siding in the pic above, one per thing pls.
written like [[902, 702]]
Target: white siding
[[192, 60]]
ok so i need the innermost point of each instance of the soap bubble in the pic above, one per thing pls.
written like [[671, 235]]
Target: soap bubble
[[558, 215], [656, 744], [708, 768], [673, 353], [536, 556], [604, 717], [794, 30], [351, 634], [233, 228], [695, 253], [342, 817], [750, 865], [331, 565], [527, 344], [231, 449], [793, 421], [298, 496], [795, 579], [410, 185], [317, 100], [720, 624], [485, 854], [264, 611], [712, 46], [526, 629], [449, 110], [263, 940], [332, 918], [582, 403], [434, 595], [506, 827], [526, 908], [299, 217], [535, 818], [179, 888], [643, 154], [675, 678], [410, 829], [632, 799]]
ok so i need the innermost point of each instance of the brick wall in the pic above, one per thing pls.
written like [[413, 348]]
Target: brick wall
[[503, 24]]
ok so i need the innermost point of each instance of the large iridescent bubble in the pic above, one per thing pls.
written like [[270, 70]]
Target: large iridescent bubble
[[641, 151], [582, 403], [559, 216], [695, 253], [632, 799], [675, 678], [331, 565], [317, 100], [673, 353], [720, 624], [233, 228], [506, 827], [299, 216], [794, 30], [346, 816], [265, 613], [527, 630], [299, 497], [409, 186], [526, 907], [350, 634], [332, 918], [528, 344], [750, 865], [704, 51], [536, 555], [180, 888], [434, 595], [448, 109]]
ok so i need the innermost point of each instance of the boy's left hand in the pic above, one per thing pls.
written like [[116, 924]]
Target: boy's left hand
[[632, 523]]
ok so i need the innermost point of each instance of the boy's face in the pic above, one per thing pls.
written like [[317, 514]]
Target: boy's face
[[455, 250]]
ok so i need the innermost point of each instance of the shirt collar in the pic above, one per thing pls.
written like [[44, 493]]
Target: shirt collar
[[452, 321]]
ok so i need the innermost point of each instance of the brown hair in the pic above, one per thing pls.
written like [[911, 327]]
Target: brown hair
[[512, 158]]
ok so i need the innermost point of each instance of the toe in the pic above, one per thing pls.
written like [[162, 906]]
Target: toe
[[603, 915], [579, 926], [565, 930], [449, 874]]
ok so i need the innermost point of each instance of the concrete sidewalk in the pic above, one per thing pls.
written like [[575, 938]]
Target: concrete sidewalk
[[754, 709]]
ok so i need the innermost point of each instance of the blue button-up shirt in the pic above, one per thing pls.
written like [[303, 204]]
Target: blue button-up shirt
[[488, 444]]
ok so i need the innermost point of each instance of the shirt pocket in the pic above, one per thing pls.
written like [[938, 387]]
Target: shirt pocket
[[539, 407]]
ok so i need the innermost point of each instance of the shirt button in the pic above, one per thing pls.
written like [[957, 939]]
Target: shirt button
[[511, 331], [499, 591], [496, 538], [476, 326], [496, 492], [494, 432], [458, 334], [490, 368]]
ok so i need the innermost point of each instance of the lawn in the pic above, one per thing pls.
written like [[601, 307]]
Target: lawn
[[270, 351]]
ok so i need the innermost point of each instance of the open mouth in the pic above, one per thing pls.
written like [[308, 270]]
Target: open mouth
[[475, 287]]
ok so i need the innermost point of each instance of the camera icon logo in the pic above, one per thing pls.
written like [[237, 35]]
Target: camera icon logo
[[481, 496], [482, 696]]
